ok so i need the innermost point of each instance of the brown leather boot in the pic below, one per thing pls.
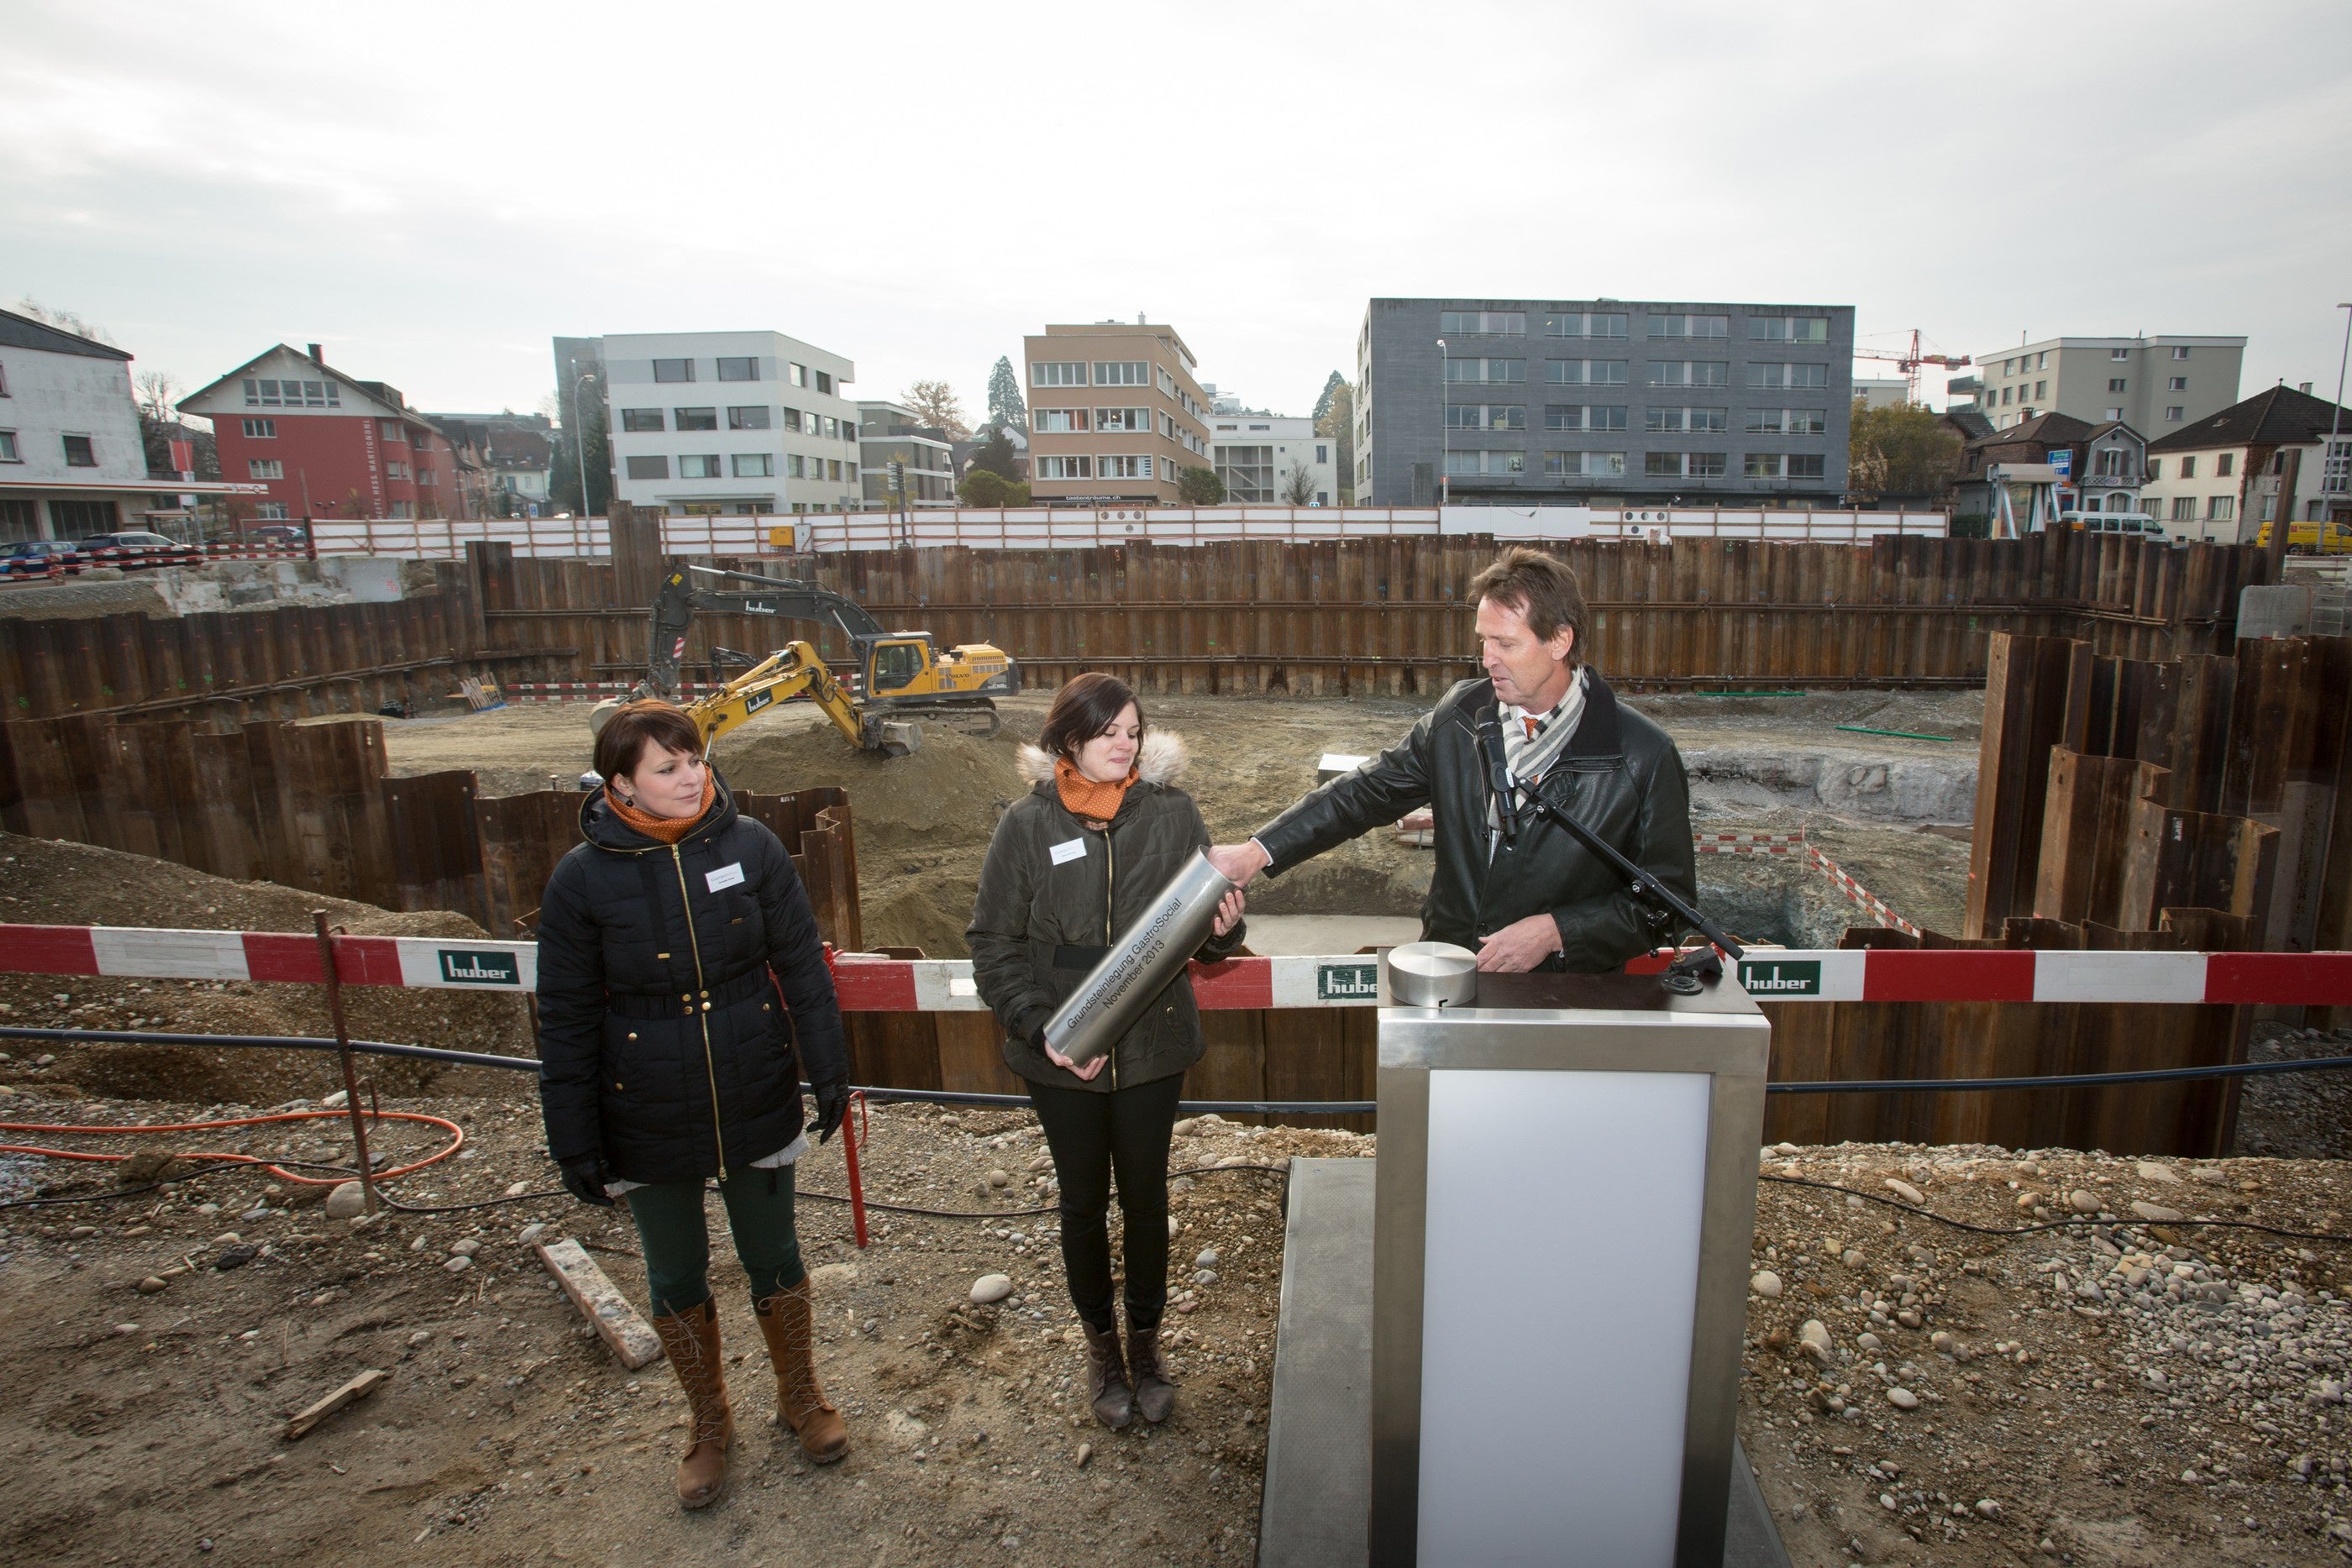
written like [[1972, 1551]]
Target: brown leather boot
[[1106, 1385], [786, 1323], [1155, 1391], [691, 1338]]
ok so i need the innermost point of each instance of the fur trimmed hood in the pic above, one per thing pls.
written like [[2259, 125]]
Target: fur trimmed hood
[[1161, 760]]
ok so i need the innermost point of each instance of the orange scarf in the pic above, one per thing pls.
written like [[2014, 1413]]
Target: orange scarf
[[665, 830], [1085, 798]]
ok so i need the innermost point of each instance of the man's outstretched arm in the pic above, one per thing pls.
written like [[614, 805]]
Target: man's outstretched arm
[[1376, 794]]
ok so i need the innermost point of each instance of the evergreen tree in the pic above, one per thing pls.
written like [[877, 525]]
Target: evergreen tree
[[1200, 487], [1323, 404], [1005, 407], [1336, 417], [995, 455]]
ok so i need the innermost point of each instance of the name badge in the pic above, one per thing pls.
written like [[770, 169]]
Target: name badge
[[725, 876], [1069, 850]]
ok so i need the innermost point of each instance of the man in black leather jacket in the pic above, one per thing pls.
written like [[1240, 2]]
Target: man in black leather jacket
[[1533, 898]]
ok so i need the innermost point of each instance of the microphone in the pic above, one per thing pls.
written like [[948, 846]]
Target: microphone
[[1499, 775]]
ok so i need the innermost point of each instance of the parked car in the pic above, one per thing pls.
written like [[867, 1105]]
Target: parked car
[[128, 550], [37, 557], [276, 534]]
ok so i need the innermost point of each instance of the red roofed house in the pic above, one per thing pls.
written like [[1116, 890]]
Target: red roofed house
[[328, 445]]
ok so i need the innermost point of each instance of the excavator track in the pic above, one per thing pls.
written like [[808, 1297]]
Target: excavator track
[[977, 717]]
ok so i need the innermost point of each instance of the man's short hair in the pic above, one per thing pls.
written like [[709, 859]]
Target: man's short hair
[[1540, 588]]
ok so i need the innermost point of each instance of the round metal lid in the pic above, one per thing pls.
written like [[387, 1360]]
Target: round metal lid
[[1433, 974]]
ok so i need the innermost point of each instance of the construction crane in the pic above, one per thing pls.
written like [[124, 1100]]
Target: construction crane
[[1910, 364], [901, 676]]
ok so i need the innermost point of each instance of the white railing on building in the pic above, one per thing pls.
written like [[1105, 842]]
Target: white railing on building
[[1077, 527]]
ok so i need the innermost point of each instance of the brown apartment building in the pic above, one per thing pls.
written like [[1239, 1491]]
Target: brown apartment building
[[1114, 415]]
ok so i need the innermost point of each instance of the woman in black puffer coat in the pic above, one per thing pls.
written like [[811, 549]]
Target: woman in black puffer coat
[[679, 966]]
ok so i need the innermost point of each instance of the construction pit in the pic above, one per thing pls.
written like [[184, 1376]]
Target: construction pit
[[2128, 1393], [1890, 809]]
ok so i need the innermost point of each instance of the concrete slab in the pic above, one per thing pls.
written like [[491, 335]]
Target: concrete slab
[[1318, 1436], [1283, 935]]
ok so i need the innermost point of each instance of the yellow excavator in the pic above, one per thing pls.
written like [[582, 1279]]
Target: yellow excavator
[[903, 680]]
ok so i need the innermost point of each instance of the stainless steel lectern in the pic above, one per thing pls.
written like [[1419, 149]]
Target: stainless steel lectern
[[1565, 1199]]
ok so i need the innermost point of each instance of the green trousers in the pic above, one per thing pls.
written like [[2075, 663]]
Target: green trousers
[[676, 1240]]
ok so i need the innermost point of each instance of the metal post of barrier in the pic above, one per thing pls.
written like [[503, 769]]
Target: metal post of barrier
[[334, 980]]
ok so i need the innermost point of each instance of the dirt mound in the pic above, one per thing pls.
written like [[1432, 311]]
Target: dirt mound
[[51, 882], [950, 791]]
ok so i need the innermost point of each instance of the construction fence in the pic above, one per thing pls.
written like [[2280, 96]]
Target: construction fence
[[1081, 528], [1334, 618], [1390, 615]]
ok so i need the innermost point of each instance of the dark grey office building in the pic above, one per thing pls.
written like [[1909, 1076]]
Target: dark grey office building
[[1602, 402]]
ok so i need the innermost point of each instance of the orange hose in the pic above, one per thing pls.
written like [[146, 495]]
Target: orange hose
[[457, 1141]]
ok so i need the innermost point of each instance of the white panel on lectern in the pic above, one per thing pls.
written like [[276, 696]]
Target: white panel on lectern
[[1562, 1273]]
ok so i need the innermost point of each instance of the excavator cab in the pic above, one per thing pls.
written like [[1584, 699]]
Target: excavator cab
[[897, 667]]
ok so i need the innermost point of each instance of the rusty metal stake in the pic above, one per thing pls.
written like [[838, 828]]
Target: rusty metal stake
[[334, 979]]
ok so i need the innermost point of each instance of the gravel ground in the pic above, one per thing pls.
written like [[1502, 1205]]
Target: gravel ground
[[2126, 1390], [148, 1423], [2132, 1390]]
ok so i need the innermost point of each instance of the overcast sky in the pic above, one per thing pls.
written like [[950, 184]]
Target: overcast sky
[[434, 190]]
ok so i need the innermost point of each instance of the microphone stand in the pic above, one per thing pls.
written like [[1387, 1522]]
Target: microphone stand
[[1685, 976]]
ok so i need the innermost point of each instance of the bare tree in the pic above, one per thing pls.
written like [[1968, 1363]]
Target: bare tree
[[1299, 484], [158, 391], [935, 403], [551, 406]]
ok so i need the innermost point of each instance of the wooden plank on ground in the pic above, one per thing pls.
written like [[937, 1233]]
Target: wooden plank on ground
[[350, 1393], [628, 1337]]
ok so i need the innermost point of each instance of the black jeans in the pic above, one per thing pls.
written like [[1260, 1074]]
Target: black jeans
[[1092, 1135]]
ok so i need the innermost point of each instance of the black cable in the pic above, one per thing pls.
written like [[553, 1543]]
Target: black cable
[[276, 1043], [2066, 1224], [2064, 1080], [1226, 1107]]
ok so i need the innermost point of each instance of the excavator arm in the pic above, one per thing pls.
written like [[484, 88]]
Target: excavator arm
[[681, 597], [778, 678]]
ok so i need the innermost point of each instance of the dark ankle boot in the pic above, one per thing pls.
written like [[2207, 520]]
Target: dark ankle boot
[[1155, 1391], [1107, 1385], [691, 1339]]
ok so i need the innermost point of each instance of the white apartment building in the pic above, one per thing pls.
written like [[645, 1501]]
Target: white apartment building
[[71, 463], [1267, 458], [2224, 477], [2156, 386], [733, 423]]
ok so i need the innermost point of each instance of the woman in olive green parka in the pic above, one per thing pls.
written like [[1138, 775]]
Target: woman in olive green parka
[[1074, 863]]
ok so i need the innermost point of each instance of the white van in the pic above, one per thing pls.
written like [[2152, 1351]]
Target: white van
[[2137, 523]]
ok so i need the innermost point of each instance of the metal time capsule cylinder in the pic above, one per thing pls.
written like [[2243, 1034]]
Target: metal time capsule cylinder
[[1139, 964]]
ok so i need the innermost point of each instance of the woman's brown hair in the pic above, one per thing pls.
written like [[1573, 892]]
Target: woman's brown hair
[[622, 744], [1083, 708]]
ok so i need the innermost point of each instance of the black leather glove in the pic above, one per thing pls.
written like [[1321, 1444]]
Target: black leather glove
[[584, 1177], [832, 1105]]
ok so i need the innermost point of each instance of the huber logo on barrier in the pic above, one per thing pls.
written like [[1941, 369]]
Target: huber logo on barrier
[[1774, 978], [1347, 982], [481, 968]]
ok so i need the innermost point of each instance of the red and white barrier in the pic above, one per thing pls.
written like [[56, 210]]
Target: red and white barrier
[[870, 983], [133, 951]]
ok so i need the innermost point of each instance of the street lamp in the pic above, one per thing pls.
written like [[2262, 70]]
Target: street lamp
[[1445, 449], [580, 439], [2335, 421]]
